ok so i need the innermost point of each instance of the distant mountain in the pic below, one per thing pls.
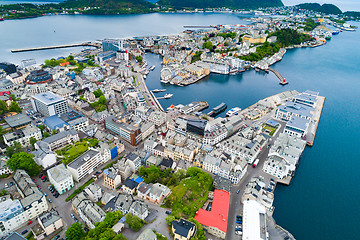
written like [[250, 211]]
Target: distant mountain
[[352, 14], [241, 4], [325, 8], [110, 6]]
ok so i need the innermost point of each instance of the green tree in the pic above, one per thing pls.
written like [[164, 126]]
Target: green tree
[[41, 127], [102, 100], [134, 222], [46, 134], [12, 96], [3, 107], [54, 132], [33, 141], [70, 58], [208, 45], [139, 59], [169, 219], [14, 107], [25, 161], [90, 63], [98, 93], [75, 231]]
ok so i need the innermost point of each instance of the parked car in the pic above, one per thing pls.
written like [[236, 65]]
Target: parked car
[[72, 215], [44, 180], [11, 183], [167, 212], [45, 194], [237, 191], [34, 180], [23, 232], [57, 195], [6, 185], [50, 201], [30, 222], [57, 237], [42, 177], [86, 229]]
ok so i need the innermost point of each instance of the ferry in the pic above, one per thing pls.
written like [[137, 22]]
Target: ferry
[[233, 111], [158, 90], [169, 95], [152, 68], [218, 109]]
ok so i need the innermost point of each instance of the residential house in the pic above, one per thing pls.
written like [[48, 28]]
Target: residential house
[[61, 178], [183, 229]]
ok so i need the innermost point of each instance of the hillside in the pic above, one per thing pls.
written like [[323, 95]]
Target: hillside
[[240, 4], [325, 8], [110, 6]]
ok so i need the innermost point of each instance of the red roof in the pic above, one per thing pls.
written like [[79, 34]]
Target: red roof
[[218, 216]]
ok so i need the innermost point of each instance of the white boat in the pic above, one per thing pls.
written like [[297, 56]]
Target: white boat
[[233, 111], [144, 76], [169, 95], [152, 68], [158, 90]]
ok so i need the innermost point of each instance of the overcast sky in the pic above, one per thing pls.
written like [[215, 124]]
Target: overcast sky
[[344, 5]]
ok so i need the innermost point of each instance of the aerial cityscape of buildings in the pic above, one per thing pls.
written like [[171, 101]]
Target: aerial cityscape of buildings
[[99, 141]]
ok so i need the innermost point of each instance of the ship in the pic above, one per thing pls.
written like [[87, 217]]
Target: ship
[[233, 111], [218, 109], [167, 96], [158, 90], [1, 19], [152, 68]]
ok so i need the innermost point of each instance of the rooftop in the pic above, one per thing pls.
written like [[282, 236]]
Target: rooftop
[[81, 160], [217, 217], [17, 120], [48, 98]]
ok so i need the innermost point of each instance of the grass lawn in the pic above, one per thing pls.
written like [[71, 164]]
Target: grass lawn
[[73, 151], [271, 130]]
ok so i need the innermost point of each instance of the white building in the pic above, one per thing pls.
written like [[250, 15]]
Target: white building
[[94, 192], [61, 178], [254, 221], [85, 164], [277, 166], [49, 104], [211, 164], [12, 215], [297, 126], [33, 201], [23, 136], [58, 140]]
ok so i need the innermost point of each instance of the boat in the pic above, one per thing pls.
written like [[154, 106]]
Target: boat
[[144, 76], [335, 32], [169, 95], [328, 38], [152, 68], [1, 19], [233, 111], [158, 90], [218, 109]]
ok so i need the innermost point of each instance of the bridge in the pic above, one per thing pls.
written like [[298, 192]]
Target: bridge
[[89, 44]]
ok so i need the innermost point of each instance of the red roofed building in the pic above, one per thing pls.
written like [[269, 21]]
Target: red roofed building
[[215, 220]]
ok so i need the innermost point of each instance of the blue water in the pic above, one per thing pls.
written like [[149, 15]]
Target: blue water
[[321, 202]]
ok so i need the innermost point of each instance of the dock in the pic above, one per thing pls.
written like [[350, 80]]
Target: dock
[[278, 75], [89, 44], [310, 137], [199, 26]]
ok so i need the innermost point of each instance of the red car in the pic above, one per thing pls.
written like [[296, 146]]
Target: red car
[[42, 178], [34, 180], [30, 222]]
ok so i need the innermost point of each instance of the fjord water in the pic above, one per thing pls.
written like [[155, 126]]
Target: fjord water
[[321, 202]]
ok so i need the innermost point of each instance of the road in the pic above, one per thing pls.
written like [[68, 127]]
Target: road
[[235, 206]]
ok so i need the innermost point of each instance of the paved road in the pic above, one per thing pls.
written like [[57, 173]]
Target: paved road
[[236, 207]]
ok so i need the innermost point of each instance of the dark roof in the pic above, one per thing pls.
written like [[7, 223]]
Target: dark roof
[[130, 183], [167, 162], [132, 156], [15, 236], [182, 227], [17, 120]]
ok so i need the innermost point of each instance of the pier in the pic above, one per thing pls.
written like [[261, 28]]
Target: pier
[[281, 78], [200, 26], [310, 137], [89, 44]]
